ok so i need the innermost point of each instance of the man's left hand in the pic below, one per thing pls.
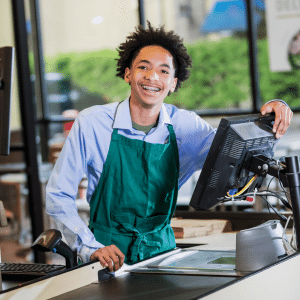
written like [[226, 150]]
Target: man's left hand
[[283, 116]]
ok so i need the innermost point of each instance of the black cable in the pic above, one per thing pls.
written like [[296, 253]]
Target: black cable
[[281, 159], [278, 177], [268, 205], [242, 198], [284, 201], [270, 183], [250, 194], [284, 218]]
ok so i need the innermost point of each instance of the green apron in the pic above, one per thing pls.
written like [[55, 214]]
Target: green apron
[[136, 197]]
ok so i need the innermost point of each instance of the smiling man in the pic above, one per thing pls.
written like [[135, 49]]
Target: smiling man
[[151, 77], [135, 154]]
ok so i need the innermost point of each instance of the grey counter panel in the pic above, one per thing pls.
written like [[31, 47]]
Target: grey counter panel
[[148, 286]]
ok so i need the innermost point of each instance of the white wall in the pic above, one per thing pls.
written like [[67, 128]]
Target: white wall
[[68, 26], [78, 26]]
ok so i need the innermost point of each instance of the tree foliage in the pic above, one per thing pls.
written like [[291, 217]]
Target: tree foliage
[[220, 77]]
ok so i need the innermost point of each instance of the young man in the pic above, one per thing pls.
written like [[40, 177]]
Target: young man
[[135, 154]]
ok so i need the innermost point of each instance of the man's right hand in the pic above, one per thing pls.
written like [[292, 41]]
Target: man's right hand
[[110, 257]]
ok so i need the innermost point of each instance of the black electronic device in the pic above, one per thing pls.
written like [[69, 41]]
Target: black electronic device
[[6, 62], [51, 240], [242, 150], [28, 271], [226, 166]]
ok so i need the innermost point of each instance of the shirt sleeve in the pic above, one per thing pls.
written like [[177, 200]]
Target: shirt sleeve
[[62, 188], [194, 138], [277, 100]]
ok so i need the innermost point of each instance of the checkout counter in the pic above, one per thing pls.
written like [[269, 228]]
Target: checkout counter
[[209, 270], [146, 280]]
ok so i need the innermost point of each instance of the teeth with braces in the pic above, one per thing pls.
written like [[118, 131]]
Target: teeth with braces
[[150, 88]]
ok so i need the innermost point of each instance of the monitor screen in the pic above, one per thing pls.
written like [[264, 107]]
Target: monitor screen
[[6, 59], [225, 166]]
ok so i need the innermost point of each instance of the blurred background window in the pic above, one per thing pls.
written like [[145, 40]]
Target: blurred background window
[[215, 33], [80, 41]]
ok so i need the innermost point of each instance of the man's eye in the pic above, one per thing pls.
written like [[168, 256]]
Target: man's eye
[[165, 71], [142, 67]]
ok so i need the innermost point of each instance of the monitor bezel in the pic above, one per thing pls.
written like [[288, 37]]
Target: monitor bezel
[[217, 144]]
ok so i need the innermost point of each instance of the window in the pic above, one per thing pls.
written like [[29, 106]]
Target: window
[[215, 33], [79, 44], [278, 85]]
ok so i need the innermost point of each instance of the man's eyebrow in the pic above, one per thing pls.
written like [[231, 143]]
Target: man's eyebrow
[[148, 62], [144, 61], [166, 65]]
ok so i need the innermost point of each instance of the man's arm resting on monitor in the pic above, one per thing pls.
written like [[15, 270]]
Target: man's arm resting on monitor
[[283, 115]]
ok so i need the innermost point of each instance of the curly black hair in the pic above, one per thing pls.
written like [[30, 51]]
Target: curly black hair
[[151, 36]]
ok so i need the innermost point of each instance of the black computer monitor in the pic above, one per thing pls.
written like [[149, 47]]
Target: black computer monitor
[[6, 60], [225, 166]]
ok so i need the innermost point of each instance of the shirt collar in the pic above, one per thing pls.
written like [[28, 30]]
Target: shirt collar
[[123, 117]]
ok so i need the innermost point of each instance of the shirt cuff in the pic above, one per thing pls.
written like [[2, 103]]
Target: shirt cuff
[[86, 252], [278, 100]]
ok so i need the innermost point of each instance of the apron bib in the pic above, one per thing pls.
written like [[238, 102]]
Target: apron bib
[[136, 196]]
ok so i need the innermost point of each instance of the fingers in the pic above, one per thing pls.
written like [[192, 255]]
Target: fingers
[[267, 108], [279, 120], [282, 120], [109, 257], [283, 116]]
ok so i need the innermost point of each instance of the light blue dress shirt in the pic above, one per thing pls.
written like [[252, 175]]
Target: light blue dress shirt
[[86, 149]]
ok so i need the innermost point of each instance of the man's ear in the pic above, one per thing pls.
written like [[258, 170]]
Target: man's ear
[[174, 85], [126, 75]]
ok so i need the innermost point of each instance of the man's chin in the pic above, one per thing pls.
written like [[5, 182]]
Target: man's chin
[[150, 104]]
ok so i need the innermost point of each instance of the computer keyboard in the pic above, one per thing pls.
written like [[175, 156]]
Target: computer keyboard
[[27, 271]]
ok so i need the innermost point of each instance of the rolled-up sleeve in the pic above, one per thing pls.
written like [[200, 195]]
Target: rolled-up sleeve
[[62, 188], [194, 139]]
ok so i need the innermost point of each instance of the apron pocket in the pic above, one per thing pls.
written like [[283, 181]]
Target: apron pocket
[[149, 224], [142, 225]]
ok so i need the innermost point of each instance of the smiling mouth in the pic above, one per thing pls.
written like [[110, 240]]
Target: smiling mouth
[[150, 88]]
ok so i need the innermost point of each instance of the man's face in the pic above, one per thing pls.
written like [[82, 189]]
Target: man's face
[[151, 76]]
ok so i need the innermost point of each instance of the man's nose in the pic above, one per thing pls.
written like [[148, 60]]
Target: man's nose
[[152, 75]]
